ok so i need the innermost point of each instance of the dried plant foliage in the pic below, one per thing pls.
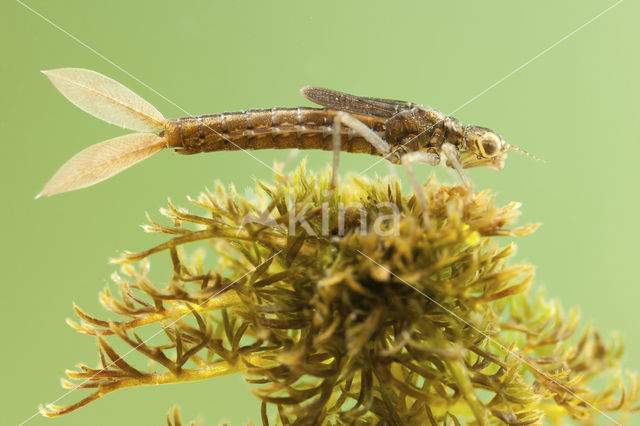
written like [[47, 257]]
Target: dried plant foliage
[[351, 325]]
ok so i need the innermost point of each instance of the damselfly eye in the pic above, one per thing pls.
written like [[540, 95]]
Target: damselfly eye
[[489, 147]]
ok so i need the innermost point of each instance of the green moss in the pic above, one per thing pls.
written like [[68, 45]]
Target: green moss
[[343, 306]]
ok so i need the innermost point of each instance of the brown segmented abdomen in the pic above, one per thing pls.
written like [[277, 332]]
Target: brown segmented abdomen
[[276, 128]]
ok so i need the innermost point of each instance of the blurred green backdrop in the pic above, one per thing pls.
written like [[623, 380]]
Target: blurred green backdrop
[[576, 106]]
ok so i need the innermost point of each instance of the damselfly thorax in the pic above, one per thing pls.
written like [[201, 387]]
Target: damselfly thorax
[[398, 131]]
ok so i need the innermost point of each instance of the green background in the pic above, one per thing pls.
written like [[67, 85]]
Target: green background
[[576, 106]]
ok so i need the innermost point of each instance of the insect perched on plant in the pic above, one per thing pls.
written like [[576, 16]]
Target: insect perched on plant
[[401, 132]]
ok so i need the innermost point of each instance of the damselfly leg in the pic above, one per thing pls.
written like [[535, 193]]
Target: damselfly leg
[[344, 118], [383, 147]]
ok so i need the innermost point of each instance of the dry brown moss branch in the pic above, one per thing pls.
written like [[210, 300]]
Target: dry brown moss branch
[[323, 323]]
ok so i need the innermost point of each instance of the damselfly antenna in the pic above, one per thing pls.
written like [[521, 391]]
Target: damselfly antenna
[[528, 154]]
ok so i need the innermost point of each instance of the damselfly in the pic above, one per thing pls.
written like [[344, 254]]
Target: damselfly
[[400, 132]]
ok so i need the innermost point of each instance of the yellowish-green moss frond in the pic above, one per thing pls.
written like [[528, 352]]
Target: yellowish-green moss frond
[[342, 306]]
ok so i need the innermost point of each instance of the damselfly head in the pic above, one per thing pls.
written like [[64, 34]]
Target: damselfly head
[[484, 147]]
